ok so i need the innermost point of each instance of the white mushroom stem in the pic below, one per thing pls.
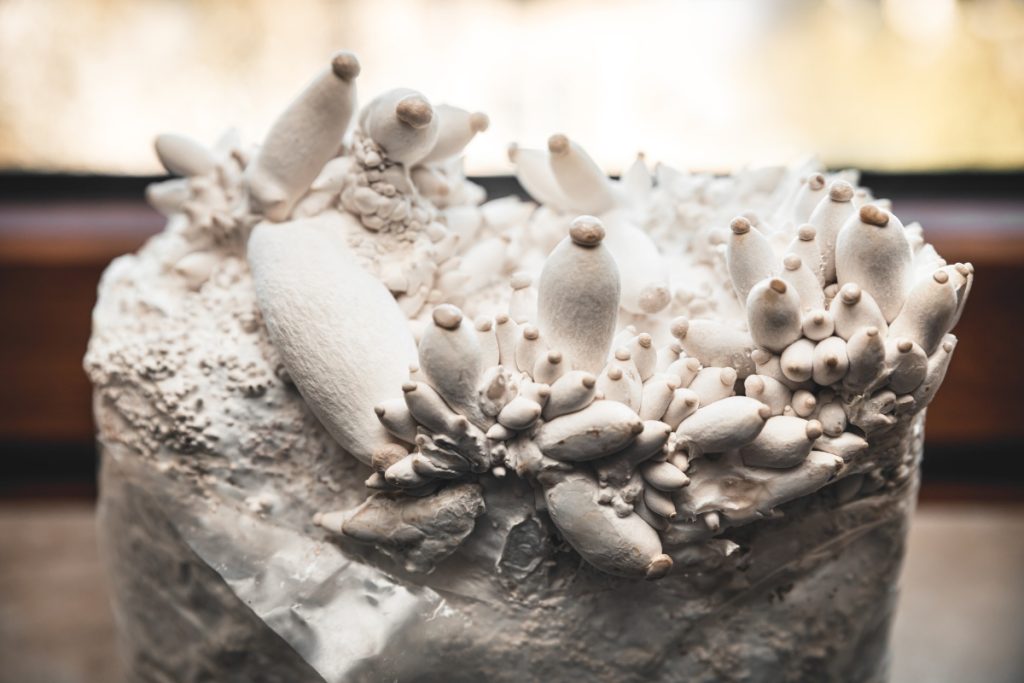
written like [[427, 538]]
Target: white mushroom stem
[[395, 416], [784, 442], [183, 156], [519, 413], [828, 219], [572, 392], [833, 419], [830, 362], [430, 410], [529, 348], [866, 352], [907, 362], [585, 186], [456, 129], [810, 194], [684, 403], [769, 391], [749, 257], [770, 365], [805, 245], [663, 476], [714, 344], [804, 403], [649, 443], [403, 123], [773, 314], [578, 296], [549, 367], [169, 196], [303, 139], [798, 276], [600, 429], [522, 305], [667, 355], [846, 445], [490, 354], [643, 271], [685, 369], [928, 313], [797, 360], [623, 546], [533, 171], [817, 324], [938, 363], [714, 384], [309, 288], [657, 394], [451, 362], [872, 251], [723, 425], [854, 309], [644, 355], [507, 333]]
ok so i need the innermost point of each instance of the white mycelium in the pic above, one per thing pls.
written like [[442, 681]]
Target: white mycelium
[[662, 357]]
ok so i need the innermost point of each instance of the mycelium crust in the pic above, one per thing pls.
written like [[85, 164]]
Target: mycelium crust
[[598, 435]]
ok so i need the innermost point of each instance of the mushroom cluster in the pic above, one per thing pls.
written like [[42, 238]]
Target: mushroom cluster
[[656, 373]]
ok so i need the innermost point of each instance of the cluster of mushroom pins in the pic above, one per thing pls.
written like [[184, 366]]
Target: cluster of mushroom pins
[[637, 445]]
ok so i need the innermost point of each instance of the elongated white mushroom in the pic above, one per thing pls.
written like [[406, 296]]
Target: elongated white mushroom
[[456, 129], [872, 251], [452, 362], [578, 296], [303, 139], [830, 362], [805, 245], [797, 360], [642, 270], [928, 312], [769, 391], [803, 281], [723, 425], [749, 257], [773, 315], [854, 309], [714, 344], [713, 384], [309, 287], [828, 219], [810, 194], [403, 123], [623, 546], [183, 156], [533, 171], [908, 364], [598, 430], [657, 394], [817, 324], [866, 352], [683, 404], [784, 442], [585, 186], [571, 392]]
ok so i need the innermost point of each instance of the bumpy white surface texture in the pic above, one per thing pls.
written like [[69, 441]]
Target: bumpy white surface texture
[[361, 425]]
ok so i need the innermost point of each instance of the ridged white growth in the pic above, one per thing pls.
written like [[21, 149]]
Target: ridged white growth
[[303, 139], [310, 287]]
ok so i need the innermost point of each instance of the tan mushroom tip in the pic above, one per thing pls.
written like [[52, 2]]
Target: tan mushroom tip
[[554, 357], [740, 225], [792, 262], [622, 354], [816, 181], [587, 231], [479, 122], [904, 345], [840, 191], [531, 332], [558, 144], [764, 412], [692, 364], [962, 269], [850, 293], [379, 410], [941, 276], [614, 374], [483, 323], [753, 384], [871, 331], [521, 279], [408, 387], [728, 376], [658, 568], [653, 298], [679, 327], [447, 316], [637, 427], [807, 232], [501, 318], [778, 285], [345, 65], [588, 381], [814, 429], [512, 151], [645, 340], [415, 111], [873, 215]]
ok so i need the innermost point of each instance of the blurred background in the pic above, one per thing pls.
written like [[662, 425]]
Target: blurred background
[[927, 96]]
